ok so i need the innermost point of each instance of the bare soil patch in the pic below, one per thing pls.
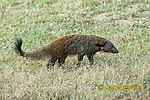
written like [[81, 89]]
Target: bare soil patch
[[102, 17], [144, 14], [132, 7]]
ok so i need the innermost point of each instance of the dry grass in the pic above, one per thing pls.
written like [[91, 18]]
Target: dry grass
[[37, 22]]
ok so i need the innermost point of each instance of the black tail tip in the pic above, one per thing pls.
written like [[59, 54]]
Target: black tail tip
[[17, 48]]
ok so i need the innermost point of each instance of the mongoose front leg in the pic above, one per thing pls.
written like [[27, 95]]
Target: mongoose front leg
[[80, 58], [90, 57]]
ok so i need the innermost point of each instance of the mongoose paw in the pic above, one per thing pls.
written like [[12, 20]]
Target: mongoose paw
[[91, 64], [78, 64], [47, 66]]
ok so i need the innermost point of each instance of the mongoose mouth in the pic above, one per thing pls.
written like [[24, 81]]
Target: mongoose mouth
[[114, 51]]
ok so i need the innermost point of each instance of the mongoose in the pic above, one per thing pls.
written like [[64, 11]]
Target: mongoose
[[67, 45]]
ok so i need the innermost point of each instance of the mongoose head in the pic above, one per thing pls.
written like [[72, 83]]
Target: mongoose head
[[109, 47]]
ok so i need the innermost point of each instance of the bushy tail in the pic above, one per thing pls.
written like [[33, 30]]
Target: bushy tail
[[36, 55], [18, 49]]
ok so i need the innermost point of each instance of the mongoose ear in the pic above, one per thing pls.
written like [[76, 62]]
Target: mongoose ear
[[101, 44]]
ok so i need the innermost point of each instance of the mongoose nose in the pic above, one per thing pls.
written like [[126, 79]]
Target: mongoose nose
[[117, 51], [114, 50]]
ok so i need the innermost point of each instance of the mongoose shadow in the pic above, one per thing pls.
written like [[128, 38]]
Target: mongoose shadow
[[60, 48]]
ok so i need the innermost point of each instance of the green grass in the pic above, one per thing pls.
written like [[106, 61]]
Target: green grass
[[38, 22]]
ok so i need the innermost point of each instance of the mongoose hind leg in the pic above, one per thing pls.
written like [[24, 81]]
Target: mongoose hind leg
[[80, 58], [61, 61], [51, 62]]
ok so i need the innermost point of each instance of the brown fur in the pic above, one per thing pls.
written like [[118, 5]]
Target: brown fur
[[63, 46]]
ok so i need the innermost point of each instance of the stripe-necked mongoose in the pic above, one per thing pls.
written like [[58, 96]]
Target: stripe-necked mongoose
[[67, 45]]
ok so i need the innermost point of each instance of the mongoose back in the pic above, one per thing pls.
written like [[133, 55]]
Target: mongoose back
[[64, 46]]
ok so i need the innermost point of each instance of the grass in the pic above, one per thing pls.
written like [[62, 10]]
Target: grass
[[38, 22]]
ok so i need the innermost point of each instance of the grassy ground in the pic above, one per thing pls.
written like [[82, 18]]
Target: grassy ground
[[125, 22]]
